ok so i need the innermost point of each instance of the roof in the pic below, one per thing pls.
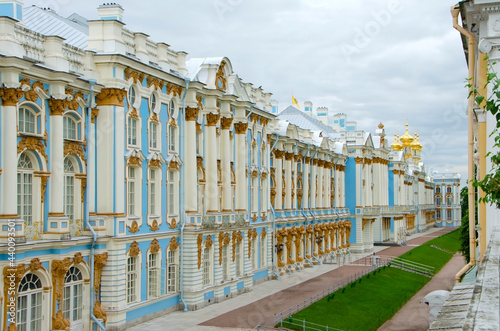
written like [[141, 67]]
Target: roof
[[305, 121], [74, 29]]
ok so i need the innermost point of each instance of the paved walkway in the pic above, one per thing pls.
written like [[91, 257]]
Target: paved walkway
[[256, 307]]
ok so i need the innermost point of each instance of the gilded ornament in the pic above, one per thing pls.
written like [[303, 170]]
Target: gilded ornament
[[252, 234], [59, 322], [72, 147], [134, 160], [240, 127], [212, 119], [31, 94], [175, 89], [99, 312], [73, 104], [288, 156], [83, 186], [99, 263], [133, 113], [32, 143], [57, 106], [94, 113], [220, 79], [78, 258], [263, 234], [223, 241], [199, 241], [154, 226], [199, 164], [263, 216], [279, 154], [173, 245], [136, 76], [173, 224], [134, 227], [208, 242], [191, 113], [155, 163], [173, 165], [111, 97], [59, 269], [226, 122], [254, 217], [134, 249], [199, 100], [155, 246], [153, 81], [43, 188], [10, 96]]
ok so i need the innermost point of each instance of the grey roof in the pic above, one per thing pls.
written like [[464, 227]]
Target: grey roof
[[74, 29], [305, 121]]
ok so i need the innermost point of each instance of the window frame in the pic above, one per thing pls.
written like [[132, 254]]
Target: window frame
[[153, 269], [132, 136], [34, 291], [25, 200], [21, 126], [132, 279], [70, 285]]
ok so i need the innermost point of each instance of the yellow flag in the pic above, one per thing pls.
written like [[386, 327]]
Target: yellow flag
[[295, 102]]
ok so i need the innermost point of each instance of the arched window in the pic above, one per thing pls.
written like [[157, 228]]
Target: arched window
[[449, 200], [69, 188], [69, 127], [448, 189], [131, 96], [438, 200], [153, 135], [438, 189], [29, 304], [73, 297], [25, 188], [26, 120], [153, 191], [171, 138]]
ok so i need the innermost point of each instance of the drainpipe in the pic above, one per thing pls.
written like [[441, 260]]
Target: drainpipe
[[249, 199], [92, 82], [455, 10], [182, 209], [274, 218]]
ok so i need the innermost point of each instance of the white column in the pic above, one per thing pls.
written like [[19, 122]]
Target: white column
[[305, 178], [279, 179], [190, 164], [56, 159], [212, 192], [8, 150], [288, 180], [319, 198], [226, 164], [313, 183], [240, 129]]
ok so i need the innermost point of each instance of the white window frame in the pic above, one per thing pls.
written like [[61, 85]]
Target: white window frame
[[69, 188], [22, 123], [70, 127], [133, 281], [255, 252], [172, 207], [73, 296], [153, 135], [225, 262], [154, 191], [238, 260], [154, 278], [132, 126], [263, 255], [207, 266], [25, 205], [172, 271], [172, 138], [133, 183], [29, 304]]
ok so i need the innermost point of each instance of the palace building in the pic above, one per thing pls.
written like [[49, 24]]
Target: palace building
[[138, 181]]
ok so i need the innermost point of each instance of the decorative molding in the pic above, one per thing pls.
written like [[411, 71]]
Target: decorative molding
[[83, 186], [220, 77], [10, 96], [199, 100], [111, 97], [173, 245], [134, 160], [99, 312], [254, 217], [223, 241], [288, 156], [173, 224], [32, 143], [58, 322], [191, 113], [99, 263], [175, 89], [138, 77], [173, 165], [73, 103], [154, 226], [72, 147], [57, 106], [279, 154], [212, 119], [199, 241], [252, 234], [155, 246], [240, 127], [134, 227], [226, 122], [208, 241], [359, 160], [134, 249], [263, 234], [156, 82]]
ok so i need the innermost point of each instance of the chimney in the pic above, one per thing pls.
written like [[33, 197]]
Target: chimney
[[308, 106], [322, 114], [110, 11], [12, 9]]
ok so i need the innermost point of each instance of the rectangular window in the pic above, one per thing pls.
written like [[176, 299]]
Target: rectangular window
[[448, 214], [255, 249], [171, 272], [206, 266], [153, 135], [153, 276], [131, 279], [197, 143], [69, 192], [225, 269], [25, 197], [131, 191], [238, 259], [262, 251], [152, 191], [69, 128], [171, 138], [132, 131], [171, 188]]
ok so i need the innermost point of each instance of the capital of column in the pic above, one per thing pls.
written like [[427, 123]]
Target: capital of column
[[10, 96], [279, 154], [288, 156], [111, 97], [93, 115], [226, 122], [240, 127], [57, 106], [191, 113], [212, 119]]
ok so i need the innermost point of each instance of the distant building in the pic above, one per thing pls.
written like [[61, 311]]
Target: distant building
[[447, 198]]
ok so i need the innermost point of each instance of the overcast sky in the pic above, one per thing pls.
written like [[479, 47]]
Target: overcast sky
[[388, 61]]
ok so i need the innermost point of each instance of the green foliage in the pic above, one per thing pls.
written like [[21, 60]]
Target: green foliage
[[464, 228], [490, 184]]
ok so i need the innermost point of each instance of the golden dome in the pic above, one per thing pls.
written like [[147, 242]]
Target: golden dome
[[416, 144], [406, 139], [396, 145], [380, 126]]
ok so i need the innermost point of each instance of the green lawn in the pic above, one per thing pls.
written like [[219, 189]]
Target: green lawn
[[369, 303]]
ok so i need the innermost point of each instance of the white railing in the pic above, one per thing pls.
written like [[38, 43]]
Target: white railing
[[152, 49], [32, 43], [74, 56], [128, 39]]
